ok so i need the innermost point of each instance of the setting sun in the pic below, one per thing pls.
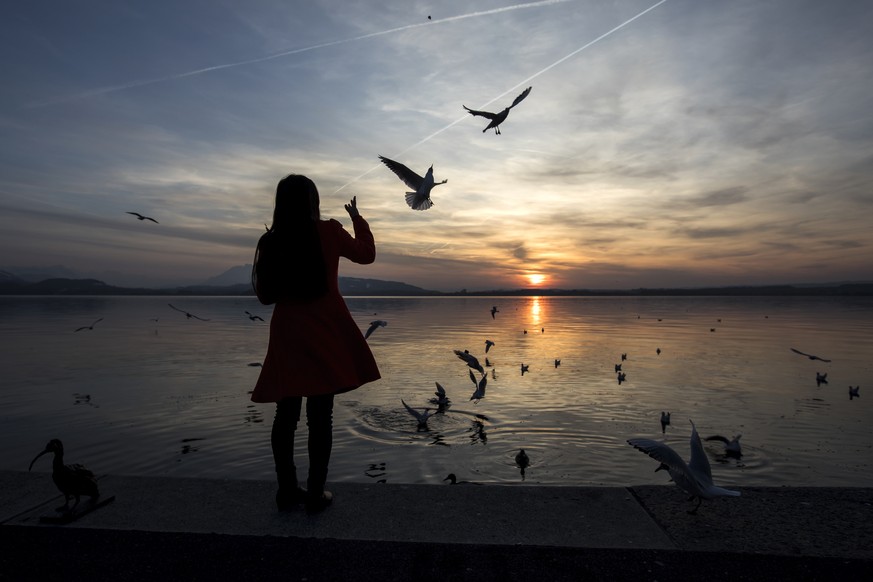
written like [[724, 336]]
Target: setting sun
[[536, 279]]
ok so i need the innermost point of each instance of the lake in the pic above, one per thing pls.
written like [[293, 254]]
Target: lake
[[148, 391]]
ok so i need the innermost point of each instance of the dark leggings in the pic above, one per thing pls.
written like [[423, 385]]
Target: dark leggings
[[319, 419]]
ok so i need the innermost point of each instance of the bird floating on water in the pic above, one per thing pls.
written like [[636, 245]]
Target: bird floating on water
[[500, 117], [373, 326], [141, 217], [420, 198], [821, 378], [557, 362], [525, 368], [91, 327], [810, 356], [471, 360], [665, 421], [732, 447], [618, 367], [853, 392], [694, 477], [72, 480], [621, 377], [522, 460], [187, 315], [420, 417], [623, 357]]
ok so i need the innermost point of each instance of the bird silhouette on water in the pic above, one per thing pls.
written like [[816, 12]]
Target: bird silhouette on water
[[420, 417], [254, 317], [142, 217], [72, 480], [91, 327], [500, 117], [420, 198], [810, 356], [374, 325], [187, 315], [694, 477], [854, 392], [821, 378], [732, 447], [494, 311], [665, 421], [471, 360]]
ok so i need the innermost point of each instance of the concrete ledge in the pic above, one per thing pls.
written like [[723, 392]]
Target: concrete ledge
[[226, 529]]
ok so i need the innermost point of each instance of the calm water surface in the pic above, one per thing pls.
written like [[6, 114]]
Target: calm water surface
[[171, 397]]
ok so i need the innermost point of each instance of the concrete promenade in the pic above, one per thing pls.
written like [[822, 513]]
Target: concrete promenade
[[202, 529]]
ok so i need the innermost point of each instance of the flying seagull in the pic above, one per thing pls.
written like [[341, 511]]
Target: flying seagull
[[488, 344], [141, 217], [373, 325], [810, 356], [420, 199], [254, 317], [471, 360], [479, 392], [494, 310], [187, 315], [90, 326], [421, 417], [441, 398], [694, 477], [498, 118]]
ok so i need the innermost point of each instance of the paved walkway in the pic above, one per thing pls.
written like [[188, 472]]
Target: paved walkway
[[223, 529]]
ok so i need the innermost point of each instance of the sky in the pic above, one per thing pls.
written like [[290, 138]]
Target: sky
[[673, 143]]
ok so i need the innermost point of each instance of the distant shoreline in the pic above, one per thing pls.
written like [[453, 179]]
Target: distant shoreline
[[352, 287]]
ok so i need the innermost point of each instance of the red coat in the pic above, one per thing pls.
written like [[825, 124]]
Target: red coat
[[315, 346]]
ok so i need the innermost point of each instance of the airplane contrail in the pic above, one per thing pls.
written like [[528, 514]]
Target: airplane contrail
[[514, 87], [145, 82]]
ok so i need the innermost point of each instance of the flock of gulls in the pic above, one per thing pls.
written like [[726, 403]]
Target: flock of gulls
[[693, 476]]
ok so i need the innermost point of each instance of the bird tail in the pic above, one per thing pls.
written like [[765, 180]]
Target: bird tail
[[420, 205]]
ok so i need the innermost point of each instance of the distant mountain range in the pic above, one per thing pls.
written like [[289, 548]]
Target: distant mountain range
[[236, 281], [12, 284]]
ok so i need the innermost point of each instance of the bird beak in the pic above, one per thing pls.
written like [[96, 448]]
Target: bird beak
[[35, 458]]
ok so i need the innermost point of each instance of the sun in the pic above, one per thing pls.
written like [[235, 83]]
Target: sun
[[536, 279]]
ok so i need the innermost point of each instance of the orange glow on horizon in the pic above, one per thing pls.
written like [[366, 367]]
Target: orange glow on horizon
[[536, 279]]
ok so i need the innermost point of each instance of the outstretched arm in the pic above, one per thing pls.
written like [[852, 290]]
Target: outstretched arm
[[362, 248]]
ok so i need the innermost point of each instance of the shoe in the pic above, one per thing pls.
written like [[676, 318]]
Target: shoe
[[316, 503], [287, 500]]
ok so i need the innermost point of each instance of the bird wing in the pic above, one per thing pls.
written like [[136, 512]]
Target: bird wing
[[418, 201], [137, 214], [473, 379], [698, 463], [521, 97], [482, 383], [418, 416], [408, 177], [717, 437], [440, 390], [371, 329], [490, 116], [661, 453], [799, 352]]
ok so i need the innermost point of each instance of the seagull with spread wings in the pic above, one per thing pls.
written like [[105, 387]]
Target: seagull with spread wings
[[187, 315], [498, 118], [810, 356], [693, 477], [420, 199], [91, 327], [141, 217]]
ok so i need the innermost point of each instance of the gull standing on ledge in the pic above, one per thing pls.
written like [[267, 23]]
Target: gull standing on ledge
[[420, 199], [498, 118], [694, 477]]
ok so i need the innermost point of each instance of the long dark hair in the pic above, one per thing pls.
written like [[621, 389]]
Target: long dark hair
[[288, 262]]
